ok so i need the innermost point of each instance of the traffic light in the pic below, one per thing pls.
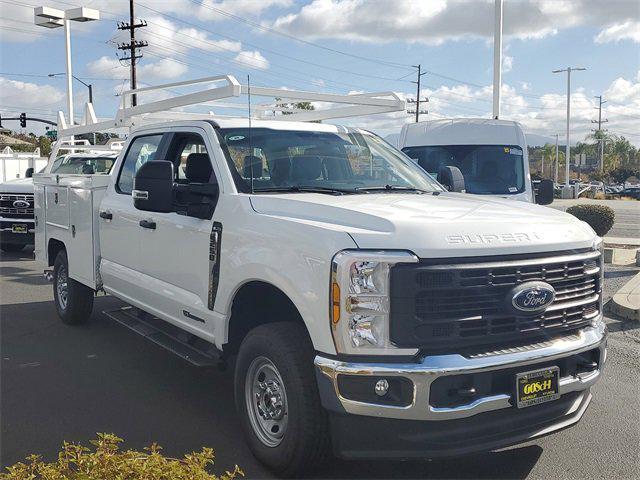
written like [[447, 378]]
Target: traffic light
[[23, 120]]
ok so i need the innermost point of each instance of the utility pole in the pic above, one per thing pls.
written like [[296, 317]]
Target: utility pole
[[555, 176], [132, 46], [600, 121], [568, 147], [420, 74], [497, 59]]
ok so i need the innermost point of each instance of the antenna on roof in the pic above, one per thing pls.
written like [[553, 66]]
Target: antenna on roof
[[250, 142]]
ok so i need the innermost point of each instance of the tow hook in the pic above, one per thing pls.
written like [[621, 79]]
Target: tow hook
[[48, 274]]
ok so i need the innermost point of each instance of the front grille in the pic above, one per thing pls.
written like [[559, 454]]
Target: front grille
[[466, 304], [9, 209]]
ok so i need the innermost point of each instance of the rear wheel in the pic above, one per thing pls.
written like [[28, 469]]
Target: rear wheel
[[74, 301], [11, 247], [278, 401]]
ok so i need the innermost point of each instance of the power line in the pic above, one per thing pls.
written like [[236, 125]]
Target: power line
[[297, 39]]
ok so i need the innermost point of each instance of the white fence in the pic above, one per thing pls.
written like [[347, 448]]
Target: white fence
[[14, 164]]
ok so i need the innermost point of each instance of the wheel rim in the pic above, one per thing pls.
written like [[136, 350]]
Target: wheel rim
[[266, 400], [62, 287]]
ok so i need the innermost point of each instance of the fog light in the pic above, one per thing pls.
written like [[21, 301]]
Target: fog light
[[382, 387]]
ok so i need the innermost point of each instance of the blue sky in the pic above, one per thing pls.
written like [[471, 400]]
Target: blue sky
[[347, 45]]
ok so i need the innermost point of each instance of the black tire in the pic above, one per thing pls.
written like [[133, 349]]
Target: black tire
[[12, 247], [75, 307], [306, 440]]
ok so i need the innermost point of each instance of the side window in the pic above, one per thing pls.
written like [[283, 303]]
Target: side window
[[190, 158], [141, 150]]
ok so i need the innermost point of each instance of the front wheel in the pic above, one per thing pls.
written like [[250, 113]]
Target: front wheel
[[278, 401], [74, 301]]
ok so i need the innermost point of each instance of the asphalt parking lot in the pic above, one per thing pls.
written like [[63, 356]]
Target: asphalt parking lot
[[627, 222], [67, 383]]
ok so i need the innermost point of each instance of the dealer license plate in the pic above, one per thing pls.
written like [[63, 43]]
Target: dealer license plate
[[19, 228], [537, 386]]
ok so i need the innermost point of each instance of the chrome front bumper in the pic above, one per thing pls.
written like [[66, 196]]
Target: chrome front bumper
[[423, 374]]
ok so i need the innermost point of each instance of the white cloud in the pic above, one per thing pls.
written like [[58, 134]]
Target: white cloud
[[26, 94], [629, 30], [507, 63], [252, 59], [166, 68], [437, 21], [210, 9], [110, 67]]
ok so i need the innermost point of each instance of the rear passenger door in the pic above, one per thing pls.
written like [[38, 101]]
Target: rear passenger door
[[120, 231], [175, 255]]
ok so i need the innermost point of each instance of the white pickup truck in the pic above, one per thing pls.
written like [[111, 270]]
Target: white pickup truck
[[368, 311]]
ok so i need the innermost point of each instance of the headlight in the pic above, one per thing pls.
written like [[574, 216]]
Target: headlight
[[360, 301]]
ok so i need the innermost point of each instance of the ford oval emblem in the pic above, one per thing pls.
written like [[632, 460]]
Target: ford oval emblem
[[532, 297], [21, 204]]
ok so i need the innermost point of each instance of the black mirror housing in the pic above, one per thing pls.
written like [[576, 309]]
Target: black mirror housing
[[153, 187], [29, 172], [451, 178], [544, 192]]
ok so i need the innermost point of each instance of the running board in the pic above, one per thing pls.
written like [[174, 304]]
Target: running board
[[191, 348]]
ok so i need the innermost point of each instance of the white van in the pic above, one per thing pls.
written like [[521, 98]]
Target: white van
[[491, 154]]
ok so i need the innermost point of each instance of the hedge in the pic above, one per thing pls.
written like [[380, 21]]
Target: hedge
[[107, 461], [599, 217]]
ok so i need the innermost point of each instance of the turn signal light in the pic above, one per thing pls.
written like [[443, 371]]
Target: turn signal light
[[335, 302]]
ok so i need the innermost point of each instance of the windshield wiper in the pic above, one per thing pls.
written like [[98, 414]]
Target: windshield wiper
[[392, 188], [304, 189]]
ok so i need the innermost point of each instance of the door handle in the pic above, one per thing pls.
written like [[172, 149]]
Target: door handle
[[148, 224], [106, 215]]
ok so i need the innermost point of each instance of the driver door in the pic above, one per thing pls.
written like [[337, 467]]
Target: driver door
[[175, 253]]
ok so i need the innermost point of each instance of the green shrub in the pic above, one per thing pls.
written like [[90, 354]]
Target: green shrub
[[107, 461], [599, 217]]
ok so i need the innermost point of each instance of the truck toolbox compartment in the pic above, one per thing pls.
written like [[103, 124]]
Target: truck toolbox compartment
[[66, 210]]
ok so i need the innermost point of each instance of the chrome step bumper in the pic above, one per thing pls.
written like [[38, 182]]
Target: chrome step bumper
[[423, 374]]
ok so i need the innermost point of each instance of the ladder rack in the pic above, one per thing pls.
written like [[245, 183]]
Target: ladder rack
[[227, 87]]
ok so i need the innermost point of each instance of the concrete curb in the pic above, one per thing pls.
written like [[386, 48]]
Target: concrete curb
[[626, 302]]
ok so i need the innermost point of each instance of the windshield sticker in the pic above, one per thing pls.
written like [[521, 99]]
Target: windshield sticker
[[235, 138], [515, 151], [513, 189]]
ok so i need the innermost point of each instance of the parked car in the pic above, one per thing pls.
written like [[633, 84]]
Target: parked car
[[370, 312], [491, 155], [633, 192]]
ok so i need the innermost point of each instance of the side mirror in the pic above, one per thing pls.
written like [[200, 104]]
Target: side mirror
[[29, 172], [544, 193], [153, 187], [451, 178]]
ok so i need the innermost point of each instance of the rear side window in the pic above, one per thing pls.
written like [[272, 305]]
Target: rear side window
[[141, 150]]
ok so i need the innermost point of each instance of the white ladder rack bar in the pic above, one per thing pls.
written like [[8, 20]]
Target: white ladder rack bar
[[160, 110]]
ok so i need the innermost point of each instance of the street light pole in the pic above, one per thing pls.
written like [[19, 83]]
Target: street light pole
[[53, 18], [67, 46], [568, 147], [497, 58], [88, 85], [557, 160]]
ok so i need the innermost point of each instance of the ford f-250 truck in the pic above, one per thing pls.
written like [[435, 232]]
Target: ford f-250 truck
[[369, 311]]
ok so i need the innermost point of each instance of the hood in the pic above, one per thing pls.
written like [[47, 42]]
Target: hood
[[435, 226], [19, 185]]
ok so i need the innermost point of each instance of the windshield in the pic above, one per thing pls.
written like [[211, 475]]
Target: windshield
[[347, 162], [487, 169], [82, 165]]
